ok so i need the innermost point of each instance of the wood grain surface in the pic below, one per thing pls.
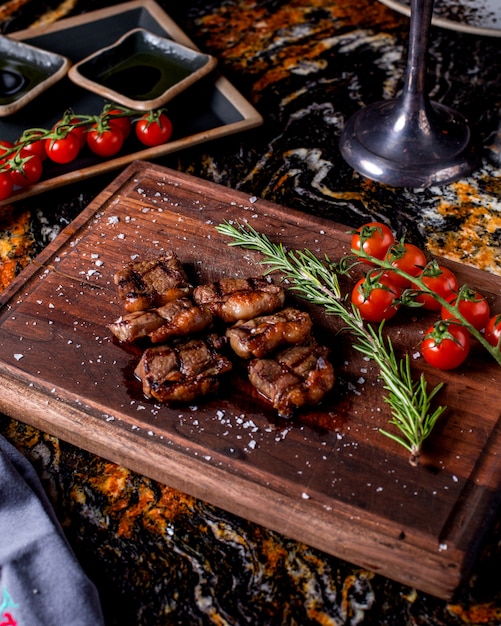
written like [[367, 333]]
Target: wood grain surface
[[328, 477]]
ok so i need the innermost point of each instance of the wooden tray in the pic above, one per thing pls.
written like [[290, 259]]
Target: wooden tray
[[328, 478], [211, 109]]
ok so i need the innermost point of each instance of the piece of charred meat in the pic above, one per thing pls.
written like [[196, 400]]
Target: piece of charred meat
[[182, 372], [295, 377], [260, 336], [174, 319], [136, 325], [181, 317], [233, 299], [151, 283]]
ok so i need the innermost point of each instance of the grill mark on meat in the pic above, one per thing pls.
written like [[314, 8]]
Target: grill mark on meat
[[262, 335], [182, 372], [234, 299], [295, 377], [146, 284]]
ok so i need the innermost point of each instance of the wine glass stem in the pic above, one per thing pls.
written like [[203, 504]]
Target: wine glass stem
[[420, 21]]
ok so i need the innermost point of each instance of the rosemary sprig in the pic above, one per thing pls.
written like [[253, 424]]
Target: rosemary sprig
[[317, 281]]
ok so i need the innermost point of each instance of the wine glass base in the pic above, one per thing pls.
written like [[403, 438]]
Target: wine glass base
[[381, 143]]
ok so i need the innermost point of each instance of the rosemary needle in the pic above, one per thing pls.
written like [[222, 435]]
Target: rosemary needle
[[317, 281]]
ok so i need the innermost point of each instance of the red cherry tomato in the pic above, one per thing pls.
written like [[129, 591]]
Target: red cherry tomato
[[374, 238], [63, 150], [6, 185], [35, 146], [26, 171], [153, 129], [408, 258], [105, 142], [472, 305], [375, 295], [439, 280], [446, 345], [115, 118], [493, 331]]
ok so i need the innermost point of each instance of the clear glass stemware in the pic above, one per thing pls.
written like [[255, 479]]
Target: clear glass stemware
[[410, 141]]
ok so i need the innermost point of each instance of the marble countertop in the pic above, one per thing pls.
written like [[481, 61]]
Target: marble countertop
[[160, 556]]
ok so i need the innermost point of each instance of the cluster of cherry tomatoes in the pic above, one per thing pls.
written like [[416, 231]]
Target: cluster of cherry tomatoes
[[21, 163], [389, 285]]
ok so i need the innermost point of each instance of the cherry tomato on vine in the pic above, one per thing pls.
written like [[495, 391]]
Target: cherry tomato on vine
[[493, 331], [153, 129], [376, 297], [374, 238], [35, 146], [6, 185], [446, 345], [408, 258], [63, 150], [120, 121], [472, 305], [26, 170], [105, 142], [441, 281]]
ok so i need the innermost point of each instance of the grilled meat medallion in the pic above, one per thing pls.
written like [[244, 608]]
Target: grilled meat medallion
[[261, 335], [151, 283], [294, 377], [184, 371], [176, 318], [233, 299]]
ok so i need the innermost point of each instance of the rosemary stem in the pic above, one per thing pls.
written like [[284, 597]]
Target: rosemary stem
[[317, 281]]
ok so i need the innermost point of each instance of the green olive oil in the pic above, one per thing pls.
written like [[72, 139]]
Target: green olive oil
[[17, 79], [144, 76]]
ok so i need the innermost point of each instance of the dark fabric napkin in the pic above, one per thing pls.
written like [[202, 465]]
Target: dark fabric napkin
[[41, 581]]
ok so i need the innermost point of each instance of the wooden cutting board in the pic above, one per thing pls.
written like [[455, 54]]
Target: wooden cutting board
[[328, 477]]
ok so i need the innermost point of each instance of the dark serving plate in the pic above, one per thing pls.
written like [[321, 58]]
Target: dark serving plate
[[212, 108]]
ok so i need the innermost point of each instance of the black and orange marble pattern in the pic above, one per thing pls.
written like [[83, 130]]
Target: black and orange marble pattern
[[161, 557]]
